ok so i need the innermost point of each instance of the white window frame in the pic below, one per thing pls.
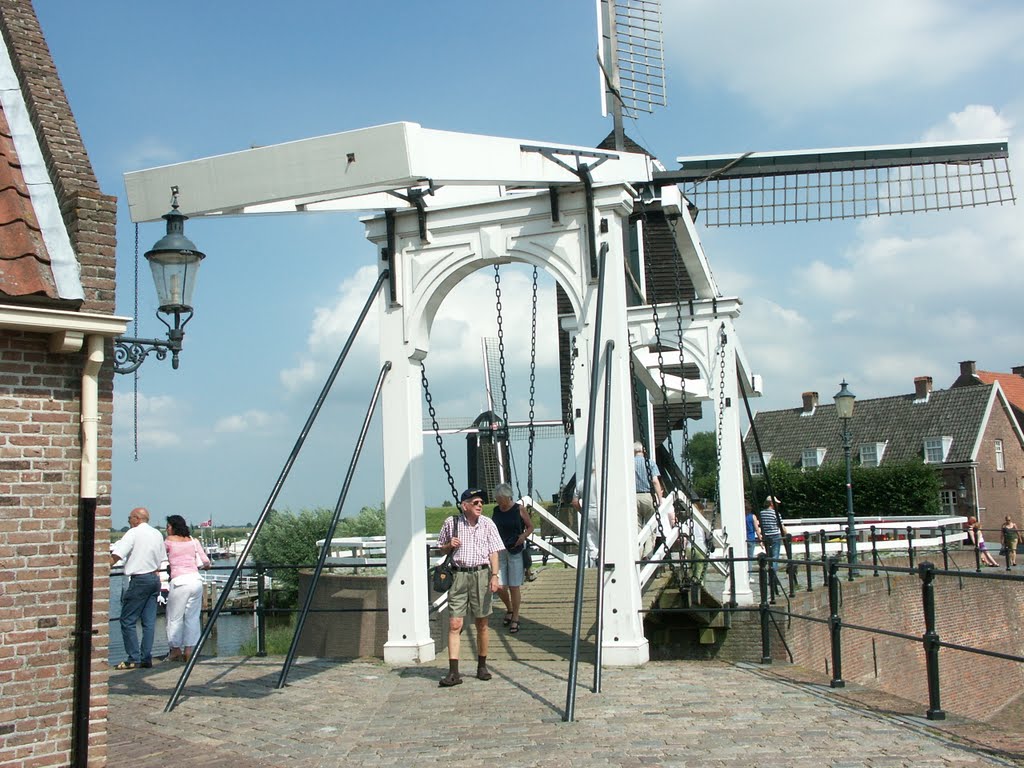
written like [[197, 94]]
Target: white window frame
[[871, 454], [816, 455], [938, 448], [948, 500], [1000, 458]]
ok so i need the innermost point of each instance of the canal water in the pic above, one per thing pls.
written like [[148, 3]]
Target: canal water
[[232, 631]]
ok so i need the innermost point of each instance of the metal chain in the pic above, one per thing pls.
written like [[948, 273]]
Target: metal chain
[[567, 418], [647, 463], [533, 384], [135, 332], [722, 340], [501, 368], [437, 433], [666, 411]]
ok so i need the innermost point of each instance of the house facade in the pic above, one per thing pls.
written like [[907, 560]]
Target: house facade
[[969, 435], [57, 238]]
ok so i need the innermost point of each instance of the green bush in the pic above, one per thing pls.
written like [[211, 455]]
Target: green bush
[[908, 488], [279, 640]]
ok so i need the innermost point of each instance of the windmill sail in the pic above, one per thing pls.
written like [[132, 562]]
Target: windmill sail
[[822, 185]]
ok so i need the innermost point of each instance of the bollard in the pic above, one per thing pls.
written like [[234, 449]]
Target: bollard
[[945, 550], [762, 582], [732, 579], [930, 639], [910, 546], [835, 624], [874, 550], [261, 615], [807, 560]]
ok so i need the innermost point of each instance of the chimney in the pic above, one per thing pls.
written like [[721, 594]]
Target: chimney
[[810, 402], [1018, 370], [968, 368], [923, 386]]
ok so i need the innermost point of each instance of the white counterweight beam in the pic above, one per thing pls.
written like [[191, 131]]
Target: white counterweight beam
[[355, 170]]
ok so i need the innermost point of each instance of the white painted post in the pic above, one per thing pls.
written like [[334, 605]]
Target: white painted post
[[733, 516], [409, 638]]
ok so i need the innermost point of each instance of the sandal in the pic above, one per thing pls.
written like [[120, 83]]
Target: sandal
[[513, 627], [450, 680], [126, 665], [508, 618]]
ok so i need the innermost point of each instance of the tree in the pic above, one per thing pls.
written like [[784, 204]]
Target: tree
[[290, 539], [702, 453]]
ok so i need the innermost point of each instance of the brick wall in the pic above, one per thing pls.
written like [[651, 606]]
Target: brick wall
[[980, 613], [40, 458], [1000, 492]]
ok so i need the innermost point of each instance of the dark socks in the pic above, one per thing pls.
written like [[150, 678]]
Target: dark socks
[[453, 667]]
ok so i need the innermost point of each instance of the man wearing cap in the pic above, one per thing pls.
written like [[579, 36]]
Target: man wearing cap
[[474, 546], [772, 531]]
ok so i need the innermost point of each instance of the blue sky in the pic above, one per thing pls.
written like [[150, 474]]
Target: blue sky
[[877, 301]]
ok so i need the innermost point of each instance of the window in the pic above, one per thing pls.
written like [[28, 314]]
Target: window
[[754, 459], [1000, 461], [871, 454], [812, 458], [947, 501], [936, 449]]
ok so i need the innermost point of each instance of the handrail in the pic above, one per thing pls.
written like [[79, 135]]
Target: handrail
[[275, 491], [326, 548]]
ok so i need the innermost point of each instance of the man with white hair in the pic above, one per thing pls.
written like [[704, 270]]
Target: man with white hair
[[648, 491]]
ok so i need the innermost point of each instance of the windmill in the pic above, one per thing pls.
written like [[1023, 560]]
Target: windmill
[[753, 188]]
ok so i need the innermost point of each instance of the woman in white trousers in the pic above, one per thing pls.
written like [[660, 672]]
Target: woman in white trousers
[[184, 600]]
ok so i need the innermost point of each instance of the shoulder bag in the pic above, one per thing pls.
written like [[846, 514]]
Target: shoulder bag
[[442, 575]]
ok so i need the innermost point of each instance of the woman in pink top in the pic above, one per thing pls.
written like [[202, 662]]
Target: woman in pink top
[[185, 598]]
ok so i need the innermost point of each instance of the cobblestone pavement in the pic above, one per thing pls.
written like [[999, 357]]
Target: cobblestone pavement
[[706, 714]]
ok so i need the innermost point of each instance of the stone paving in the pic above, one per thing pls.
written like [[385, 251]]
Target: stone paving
[[363, 713]]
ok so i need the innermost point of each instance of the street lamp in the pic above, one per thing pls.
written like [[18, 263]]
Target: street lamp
[[174, 261], [845, 399]]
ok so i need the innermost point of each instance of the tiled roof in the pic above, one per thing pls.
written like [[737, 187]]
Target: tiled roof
[[24, 261], [899, 421], [1012, 384]]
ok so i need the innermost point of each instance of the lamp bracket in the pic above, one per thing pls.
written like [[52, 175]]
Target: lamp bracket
[[130, 353]]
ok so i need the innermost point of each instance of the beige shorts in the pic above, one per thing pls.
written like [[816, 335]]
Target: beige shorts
[[470, 593]]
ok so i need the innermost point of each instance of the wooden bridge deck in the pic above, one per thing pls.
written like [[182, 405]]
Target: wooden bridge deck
[[545, 619]]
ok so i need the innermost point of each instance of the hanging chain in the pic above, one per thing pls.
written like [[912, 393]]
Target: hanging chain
[[437, 433], [567, 418], [135, 332], [647, 463], [533, 384], [722, 340], [501, 370], [666, 411]]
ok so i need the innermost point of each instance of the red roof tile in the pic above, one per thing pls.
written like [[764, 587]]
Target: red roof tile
[[1012, 384], [24, 261]]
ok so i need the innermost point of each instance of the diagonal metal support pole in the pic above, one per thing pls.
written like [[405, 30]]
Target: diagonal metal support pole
[[326, 548], [172, 702]]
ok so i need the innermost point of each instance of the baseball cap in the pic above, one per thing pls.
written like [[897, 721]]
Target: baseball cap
[[473, 493], [772, 500]]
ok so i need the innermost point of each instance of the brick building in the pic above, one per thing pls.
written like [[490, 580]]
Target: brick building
[[57, 263], [969, 434]]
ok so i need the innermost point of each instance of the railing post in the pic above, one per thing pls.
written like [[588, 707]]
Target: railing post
[[791, 566], [977, 554], [930, 640], [261, 613], [762, 582], [910, 545], [835, 624], [732, 578], [824, 557], [945, 550], [874, 550], [807, 560]]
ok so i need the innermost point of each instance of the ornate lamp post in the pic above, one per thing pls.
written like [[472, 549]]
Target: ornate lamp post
[[845, 399], [174, 261]]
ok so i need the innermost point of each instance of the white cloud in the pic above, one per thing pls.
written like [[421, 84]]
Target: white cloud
[[975, 121], [797, 55], [160, 419], [244, 422]]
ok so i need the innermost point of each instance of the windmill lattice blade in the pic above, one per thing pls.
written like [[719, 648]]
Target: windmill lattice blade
[[777, 188], [638, 58]]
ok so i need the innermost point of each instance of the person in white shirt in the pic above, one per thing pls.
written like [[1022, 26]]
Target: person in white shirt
[[142, 549]]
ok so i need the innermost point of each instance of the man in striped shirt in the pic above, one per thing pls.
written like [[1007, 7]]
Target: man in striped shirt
[[475, 545], [772, 531]]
